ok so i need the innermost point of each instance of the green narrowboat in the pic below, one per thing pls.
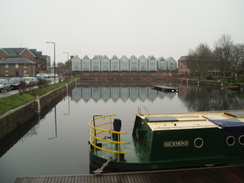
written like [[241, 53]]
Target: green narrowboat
[[167, 141], [235, 83]]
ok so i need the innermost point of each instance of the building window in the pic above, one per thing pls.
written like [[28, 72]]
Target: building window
[[6, 73], [6, 66], [16, 66]]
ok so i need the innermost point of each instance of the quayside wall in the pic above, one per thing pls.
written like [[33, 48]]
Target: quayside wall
[[210, 83], [17, 117]]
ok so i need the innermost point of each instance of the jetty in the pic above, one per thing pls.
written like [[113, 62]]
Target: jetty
[[165, 88], [204, 175]]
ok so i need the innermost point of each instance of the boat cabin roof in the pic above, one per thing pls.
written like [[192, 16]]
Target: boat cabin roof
[[177, 124], [196, 120]]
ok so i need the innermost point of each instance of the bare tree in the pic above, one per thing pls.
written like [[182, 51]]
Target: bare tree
[[200, 60], [192, 63], [223, 53], [238, 58]]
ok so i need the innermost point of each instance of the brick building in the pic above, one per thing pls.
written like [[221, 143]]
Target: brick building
[[22, 62], [182, 66], [19, 67], [184, 70]]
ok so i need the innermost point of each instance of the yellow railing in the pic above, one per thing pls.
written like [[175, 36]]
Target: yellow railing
[[95, 132]]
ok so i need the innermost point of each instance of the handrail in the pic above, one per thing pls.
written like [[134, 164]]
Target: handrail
[[95, 131], [139, 109]]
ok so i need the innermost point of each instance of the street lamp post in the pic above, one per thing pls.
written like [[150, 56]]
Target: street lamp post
[[70, 63], [54, 64]]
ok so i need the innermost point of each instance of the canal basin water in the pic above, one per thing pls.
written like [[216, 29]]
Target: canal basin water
[[58, 143]]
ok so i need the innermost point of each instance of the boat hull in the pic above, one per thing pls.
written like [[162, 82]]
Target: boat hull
[[97, 162]]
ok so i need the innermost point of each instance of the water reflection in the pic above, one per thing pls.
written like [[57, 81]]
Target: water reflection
[[56, 126], [195, 98], [210, 99], [105, 93], [27, 130]]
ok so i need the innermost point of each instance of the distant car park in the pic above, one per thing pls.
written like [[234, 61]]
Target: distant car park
[[4, 85]]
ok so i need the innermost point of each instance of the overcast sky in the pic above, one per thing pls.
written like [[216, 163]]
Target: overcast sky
[[167, 28]]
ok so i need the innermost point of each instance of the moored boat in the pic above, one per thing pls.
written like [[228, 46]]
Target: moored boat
[[235, 84], [165, 88], [167, 141]]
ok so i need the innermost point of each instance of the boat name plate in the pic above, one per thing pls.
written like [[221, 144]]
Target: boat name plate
[[176, 143]]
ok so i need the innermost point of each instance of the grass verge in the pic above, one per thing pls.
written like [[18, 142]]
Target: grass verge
[[13, 101]]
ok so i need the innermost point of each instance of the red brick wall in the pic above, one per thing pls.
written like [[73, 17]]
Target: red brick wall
[[31, 70], [182, 68], [2, 54], [27, 54]]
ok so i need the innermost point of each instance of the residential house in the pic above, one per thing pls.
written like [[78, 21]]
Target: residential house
[[95, 63], [86, 64], [172, 64], [115, 63], [76, 63], [105, 63], [152, 63], [124, 63], [133, 63], [162, 65], [19, 67], [41, 62], [182, 66], [142, 63]]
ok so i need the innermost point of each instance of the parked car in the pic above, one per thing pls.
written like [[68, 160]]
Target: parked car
[[46, 75], [41, 78], [30, 81], [4, 85], [34, 80], [27, 80], [52, 75], [15, 82]]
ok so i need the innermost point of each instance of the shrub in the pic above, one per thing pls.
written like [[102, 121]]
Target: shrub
[[209, 77]]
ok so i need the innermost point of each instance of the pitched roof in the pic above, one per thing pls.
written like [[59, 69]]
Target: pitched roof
[[133, 57], [86, 57], [170, 59], [17, 61], [105, 57], [114, 57], [76, 57], [16, 52], [123, 57], [151, 57], [100, 56], [161, 59], [142, 57], [12, 54], [35, 52], [13, 51], [183, 58], [95, 57]]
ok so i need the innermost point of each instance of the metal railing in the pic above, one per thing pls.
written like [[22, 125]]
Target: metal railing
[[95, 132], [140, 107]]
